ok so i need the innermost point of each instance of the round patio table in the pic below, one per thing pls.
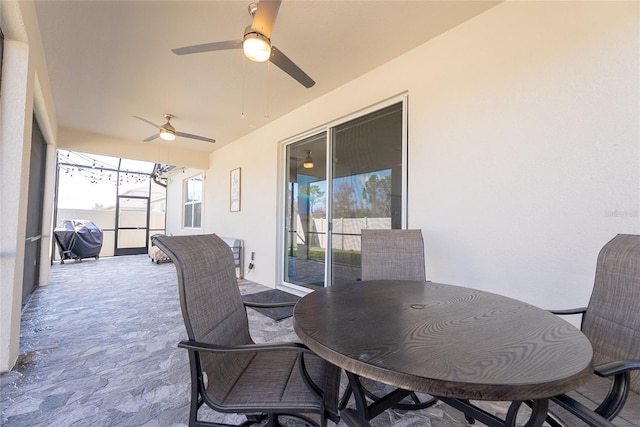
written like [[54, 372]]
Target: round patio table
[[456, 343]]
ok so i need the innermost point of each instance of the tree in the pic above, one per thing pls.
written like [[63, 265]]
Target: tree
[[314, 194], [344, 205], [377, 192]]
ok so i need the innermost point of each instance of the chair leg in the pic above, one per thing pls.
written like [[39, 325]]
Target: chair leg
[[344, 400], [196, 403]]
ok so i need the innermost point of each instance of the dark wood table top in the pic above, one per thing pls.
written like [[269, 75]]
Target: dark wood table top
[[444, 340]]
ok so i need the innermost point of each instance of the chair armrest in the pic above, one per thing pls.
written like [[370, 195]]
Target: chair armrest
[[214, 348], [620, 387], [580, 310], [617, 367], [269, 304]]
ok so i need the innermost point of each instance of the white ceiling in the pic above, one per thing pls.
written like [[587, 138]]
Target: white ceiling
[[111, 60]]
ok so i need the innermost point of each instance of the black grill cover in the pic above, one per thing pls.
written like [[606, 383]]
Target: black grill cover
[[78, 238]]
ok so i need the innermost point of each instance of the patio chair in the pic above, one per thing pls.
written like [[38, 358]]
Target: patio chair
[[611, 321], [230, 373], [392, 254], [398, 255]]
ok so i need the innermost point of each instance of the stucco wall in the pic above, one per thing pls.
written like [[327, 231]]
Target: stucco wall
[[523, 149]]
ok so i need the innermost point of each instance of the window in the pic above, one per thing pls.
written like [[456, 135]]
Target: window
[[193, 202]]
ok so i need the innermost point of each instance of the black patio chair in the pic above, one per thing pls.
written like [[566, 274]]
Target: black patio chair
[[611, 321], [392, 255], [229, 372]]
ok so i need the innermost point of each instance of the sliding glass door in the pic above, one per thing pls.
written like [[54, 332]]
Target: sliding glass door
[[306, 212], [366, 185], [327, 204]]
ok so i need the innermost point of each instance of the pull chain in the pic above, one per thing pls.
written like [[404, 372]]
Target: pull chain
[[243, 74], [268, 81]]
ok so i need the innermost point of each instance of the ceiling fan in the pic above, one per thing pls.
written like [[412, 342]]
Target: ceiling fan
[[169, 133], [256, 42]]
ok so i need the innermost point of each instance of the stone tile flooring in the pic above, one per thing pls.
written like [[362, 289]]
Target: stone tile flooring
[[98, 348]]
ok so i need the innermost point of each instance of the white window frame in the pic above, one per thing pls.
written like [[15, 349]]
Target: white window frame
[[192, 203]]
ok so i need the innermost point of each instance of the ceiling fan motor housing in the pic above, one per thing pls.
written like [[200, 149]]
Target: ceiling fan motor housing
[[168, 128], [167, 131]]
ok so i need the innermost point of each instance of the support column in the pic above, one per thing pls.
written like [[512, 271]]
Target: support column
[[47, 215], [16, 115]]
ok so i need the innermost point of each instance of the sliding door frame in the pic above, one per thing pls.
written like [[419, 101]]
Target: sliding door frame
[[284, 173]]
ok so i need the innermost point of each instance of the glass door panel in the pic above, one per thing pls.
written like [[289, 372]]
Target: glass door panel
[[327, 204], [132, 225], [306, 213], [366, 185], [157, 208]]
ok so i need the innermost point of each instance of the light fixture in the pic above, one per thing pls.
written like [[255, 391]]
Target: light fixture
[[256, 46], [308, 162], [167, 132]]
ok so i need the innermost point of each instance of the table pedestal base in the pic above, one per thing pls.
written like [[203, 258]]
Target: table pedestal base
[[539, 407]]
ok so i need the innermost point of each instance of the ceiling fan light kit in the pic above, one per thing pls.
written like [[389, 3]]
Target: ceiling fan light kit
[[256, 46], [308, 162], [168, 132]]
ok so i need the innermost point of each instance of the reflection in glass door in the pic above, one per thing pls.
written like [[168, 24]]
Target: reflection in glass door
[[306, 213], [328, 204], [366, 185]]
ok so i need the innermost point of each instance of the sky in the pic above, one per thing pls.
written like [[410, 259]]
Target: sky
[[83, 188]]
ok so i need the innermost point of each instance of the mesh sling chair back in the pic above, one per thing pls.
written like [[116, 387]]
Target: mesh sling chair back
[[393, 254], [611, 321], [229, 372]]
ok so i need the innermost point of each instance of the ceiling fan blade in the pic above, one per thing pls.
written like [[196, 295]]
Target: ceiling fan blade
[[198, 137], [208, 47], [285, 64], [152, 137], [147, 121], [265, 17]]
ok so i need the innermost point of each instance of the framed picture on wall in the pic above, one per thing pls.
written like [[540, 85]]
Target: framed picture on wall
[[235, 191]]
